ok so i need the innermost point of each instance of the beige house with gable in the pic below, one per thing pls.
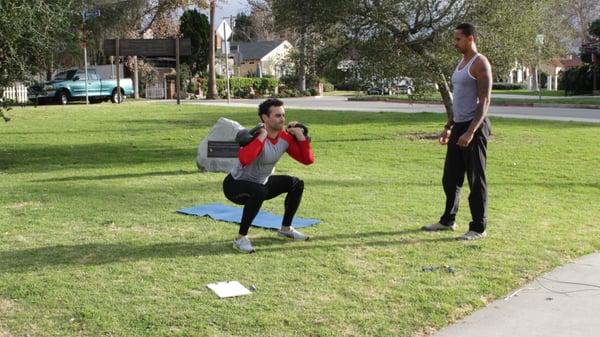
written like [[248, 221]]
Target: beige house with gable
[[259, 58]]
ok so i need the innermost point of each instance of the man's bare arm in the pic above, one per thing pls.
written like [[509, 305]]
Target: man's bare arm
[[483, 75]]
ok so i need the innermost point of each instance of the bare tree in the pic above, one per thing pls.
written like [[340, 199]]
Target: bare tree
[[580, 14]]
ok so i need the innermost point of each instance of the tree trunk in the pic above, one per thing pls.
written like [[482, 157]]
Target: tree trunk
[[49, 72], [2, 106], [302, 64], [444, 90], [212, 77]]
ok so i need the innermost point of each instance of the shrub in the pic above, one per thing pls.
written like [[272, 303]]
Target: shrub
[[328, 87], [350, 84], [245, 87], [508, 86], [577, 81], [192, 86]]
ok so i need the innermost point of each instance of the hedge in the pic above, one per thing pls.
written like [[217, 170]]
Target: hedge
[[508, 86], [244, 86]]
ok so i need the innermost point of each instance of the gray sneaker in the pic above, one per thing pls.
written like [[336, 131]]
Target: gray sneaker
[[471, 235], [438, 227], [293, 234], [243, 245]]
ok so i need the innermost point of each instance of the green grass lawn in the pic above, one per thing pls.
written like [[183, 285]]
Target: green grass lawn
[[525, 92], [90, 244]]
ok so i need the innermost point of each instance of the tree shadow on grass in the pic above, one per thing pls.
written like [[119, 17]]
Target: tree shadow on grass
[[45, 158], [121, 176], [21, 261]]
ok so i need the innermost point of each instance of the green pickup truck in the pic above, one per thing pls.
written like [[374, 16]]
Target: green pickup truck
[[70, 86]]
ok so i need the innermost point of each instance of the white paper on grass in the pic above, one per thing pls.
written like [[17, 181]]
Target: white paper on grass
[[228, 289]]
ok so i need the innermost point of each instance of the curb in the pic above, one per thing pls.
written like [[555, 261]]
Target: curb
[[529, 105]]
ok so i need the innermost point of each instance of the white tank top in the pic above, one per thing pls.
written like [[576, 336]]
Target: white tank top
[[465, 93]]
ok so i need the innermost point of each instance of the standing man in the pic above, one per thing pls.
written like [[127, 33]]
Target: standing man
[[251, 182], [466, 134]]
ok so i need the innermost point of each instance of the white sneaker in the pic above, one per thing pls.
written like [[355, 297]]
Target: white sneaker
[[293, 234], [471, 235], [438, 227], [243, 245]]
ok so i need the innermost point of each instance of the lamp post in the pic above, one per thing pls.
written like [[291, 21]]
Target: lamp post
[[539, 41]]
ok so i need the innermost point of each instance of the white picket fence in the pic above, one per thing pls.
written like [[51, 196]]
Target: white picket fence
[[155, 91], [17, 93]]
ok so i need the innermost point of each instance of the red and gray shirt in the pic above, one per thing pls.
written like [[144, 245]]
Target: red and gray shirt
[[256, 161]]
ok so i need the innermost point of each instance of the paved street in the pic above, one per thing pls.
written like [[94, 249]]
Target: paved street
[[341, 103]]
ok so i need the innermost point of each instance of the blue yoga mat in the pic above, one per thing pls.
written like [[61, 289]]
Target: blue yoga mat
[[234, 214]]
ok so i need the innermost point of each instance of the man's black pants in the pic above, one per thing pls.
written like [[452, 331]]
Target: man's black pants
[[252, 195], [472, 161]]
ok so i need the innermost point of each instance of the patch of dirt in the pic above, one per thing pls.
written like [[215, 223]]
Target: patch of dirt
[[419, 135], [6, 305], [24, 204]]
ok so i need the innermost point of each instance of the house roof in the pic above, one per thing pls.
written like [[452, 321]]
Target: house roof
[[255, 50], [571, 61]]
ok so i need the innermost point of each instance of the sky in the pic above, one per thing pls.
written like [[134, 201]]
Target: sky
[[232, 7]]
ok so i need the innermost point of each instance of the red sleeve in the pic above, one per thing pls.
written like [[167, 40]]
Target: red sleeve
[[250, 151], [300, 151]]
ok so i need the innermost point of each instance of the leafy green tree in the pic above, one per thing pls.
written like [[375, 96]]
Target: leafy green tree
[[196, 26], [28, 37], [244, 30], [595, 29], [415, 38], [311, 20]]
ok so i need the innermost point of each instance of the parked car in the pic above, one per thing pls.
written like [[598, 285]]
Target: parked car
[[378, 91], [70, 85], [394, 86], [406, 89]]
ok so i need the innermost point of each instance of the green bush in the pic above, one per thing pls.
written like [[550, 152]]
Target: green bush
[[245, 87], [291, 81], [577, 81], [328, 87], [508, 86], [192, 86]]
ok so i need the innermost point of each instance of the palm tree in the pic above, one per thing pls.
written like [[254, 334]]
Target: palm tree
[[212, 77]]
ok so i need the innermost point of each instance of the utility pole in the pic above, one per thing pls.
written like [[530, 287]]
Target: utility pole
[[84, 45], [539, 41], [226, 31], [227, 64], [85, 15]]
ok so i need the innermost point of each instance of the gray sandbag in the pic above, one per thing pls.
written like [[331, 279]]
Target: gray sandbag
[[223, 134]]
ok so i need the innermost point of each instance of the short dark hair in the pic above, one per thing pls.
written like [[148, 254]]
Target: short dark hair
[[467, 29], [263, 108]]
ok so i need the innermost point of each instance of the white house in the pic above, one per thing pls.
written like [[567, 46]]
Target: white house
[[550, 70]]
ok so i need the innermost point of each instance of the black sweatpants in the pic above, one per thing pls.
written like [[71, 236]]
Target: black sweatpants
[[252, 195], [472, 161]]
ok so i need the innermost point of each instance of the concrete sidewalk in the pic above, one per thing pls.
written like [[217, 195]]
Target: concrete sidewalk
[[564, 302]]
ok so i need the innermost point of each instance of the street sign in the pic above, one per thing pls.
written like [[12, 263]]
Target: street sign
[[148, 47], [91, 13], [224, 30]]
